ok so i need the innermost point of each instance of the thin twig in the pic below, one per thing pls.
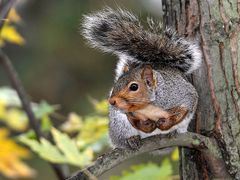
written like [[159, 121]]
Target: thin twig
[[13, 77], [4, 9], [109, 160], [17, 85]]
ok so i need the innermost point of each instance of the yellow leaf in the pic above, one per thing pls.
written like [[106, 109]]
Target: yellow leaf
[[93, 129], [64, 150], [73, 124], [2, 109], [13, 16], [10, 34], [3, 133], [15, 169], [13, 118], [102, 107], [175, 155], [89, 153], [10, 158], [16, 119]]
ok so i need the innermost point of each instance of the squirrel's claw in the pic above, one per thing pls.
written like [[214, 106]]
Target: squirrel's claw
[[172, 134], [160, 122], [134, 142]]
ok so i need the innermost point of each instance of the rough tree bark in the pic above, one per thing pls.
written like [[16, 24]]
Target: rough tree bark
[[216, 25]]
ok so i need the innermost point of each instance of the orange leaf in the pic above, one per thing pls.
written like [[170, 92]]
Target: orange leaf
[[10, 158]]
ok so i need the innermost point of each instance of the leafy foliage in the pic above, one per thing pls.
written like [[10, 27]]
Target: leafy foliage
[[92, 131], [11, 154], [9, 32], [43, 109], [65, 150], [91, 136], [148, 171], [175, 155], [10, 113], [78, 150], [14, 117], [101, 107]]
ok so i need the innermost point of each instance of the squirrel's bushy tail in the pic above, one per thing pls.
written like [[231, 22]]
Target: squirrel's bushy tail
[[121, 33]]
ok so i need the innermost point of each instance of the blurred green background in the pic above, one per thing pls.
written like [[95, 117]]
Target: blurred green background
[[56, 65]]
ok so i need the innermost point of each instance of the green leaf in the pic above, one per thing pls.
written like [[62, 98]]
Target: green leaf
[[101, 107], [12, 114], [149, 171], [93, 130], [29, 135], [73, 124], [46, 123], [70, 149], [44, 149], [175, 155], [65, 150], [43, 108]]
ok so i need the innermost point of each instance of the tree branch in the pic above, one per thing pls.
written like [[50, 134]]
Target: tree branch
[[110, 159]]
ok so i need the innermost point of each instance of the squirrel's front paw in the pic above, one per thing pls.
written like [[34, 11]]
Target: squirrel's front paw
[[134, 142], [164, 124]]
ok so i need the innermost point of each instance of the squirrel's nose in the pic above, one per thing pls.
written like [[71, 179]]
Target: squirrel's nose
[[112, 101]]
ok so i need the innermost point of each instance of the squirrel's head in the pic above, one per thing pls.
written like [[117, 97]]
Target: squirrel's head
[[134, 89]]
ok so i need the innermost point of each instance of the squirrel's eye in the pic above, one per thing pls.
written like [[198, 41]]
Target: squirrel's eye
[[133, 87]]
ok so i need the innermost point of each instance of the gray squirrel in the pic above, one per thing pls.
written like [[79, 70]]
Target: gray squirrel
[[151, 94]]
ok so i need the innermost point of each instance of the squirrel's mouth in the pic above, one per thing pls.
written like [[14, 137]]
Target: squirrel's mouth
[[123, 104], [117, 102]]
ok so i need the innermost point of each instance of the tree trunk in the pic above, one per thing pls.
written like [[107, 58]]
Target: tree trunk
[[216, 26]]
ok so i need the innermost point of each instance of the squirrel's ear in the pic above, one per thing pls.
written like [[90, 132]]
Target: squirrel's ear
[[125, 68], [147, 75]]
